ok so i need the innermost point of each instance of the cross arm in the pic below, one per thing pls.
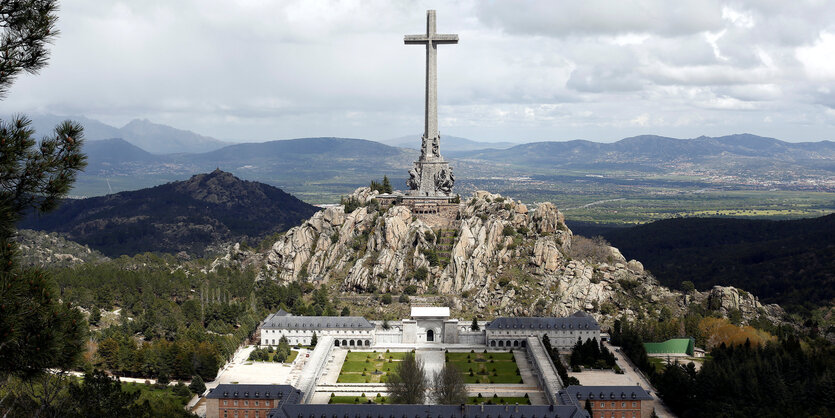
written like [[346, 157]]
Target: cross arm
[[415, 39], [444, 39]]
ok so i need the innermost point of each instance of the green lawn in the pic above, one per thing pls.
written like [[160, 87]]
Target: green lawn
[[486, 367], [293, 355], [368, 367]]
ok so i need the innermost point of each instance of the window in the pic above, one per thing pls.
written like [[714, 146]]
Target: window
[[256, 403], [235, 402], [225, 402], [623, 404], [634, 404], [602, 404], [246, 403], [268, 403]]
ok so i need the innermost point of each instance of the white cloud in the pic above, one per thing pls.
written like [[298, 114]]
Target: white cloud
[[256, 70]]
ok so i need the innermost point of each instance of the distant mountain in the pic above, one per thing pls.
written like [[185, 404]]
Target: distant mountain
[[654, 151], [307, 166], [179, 216], [449, 144], [163, 139], [787, 262], [152, 137], [114, 154]]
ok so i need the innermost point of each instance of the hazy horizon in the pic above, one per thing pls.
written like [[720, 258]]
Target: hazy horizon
[[522, 72]]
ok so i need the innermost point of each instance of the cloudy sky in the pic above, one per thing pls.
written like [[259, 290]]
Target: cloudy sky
[[523, 70]]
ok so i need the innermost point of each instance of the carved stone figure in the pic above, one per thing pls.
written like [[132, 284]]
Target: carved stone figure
[[413, 182], [445, 180]]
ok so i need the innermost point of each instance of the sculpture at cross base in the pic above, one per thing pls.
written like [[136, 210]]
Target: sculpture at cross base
[[431, 176]]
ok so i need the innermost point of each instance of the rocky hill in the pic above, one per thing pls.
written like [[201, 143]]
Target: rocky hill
[[40, 249], [499, 258], [180, 216]]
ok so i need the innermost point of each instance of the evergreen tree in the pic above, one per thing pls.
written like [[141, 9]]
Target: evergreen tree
[[197, 386], [100, 396], [95, 316], [37, 331], [386, 186], [474, 326], [314, 340]]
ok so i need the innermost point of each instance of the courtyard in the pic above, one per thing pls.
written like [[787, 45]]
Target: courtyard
[[368, 367]]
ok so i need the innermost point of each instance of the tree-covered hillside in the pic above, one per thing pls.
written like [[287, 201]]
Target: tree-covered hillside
[[180, 216], [787, 262]]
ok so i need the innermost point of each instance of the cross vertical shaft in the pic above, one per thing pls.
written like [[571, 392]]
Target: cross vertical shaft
[[432, 176], [431, 39]]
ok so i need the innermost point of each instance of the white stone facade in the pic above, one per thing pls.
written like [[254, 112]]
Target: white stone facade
[[428, 326]]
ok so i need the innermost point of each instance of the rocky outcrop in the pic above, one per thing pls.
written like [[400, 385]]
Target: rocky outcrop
[[42, 249], [499, 257]]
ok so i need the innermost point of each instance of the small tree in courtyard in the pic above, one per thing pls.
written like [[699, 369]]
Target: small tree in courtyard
[[449, 387], [407, 383], [474, 326]]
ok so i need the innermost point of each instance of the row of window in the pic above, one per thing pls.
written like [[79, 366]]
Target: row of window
[[243, 414], [310, 332], [246, 402], [622, 404], [615, 414]]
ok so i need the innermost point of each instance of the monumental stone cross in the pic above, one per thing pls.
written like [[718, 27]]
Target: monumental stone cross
[[431, 176]]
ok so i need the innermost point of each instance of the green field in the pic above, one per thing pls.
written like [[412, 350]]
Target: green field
[[290, 358], [368, 367], [486, 367]]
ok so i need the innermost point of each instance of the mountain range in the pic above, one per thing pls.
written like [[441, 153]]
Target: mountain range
[[144, 154], [651, 151], [451, 144], [152, 137], [186, 216]]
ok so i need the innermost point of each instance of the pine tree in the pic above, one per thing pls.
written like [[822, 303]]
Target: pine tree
[[197, 386], [386, 186], [37, 331], [474, 326], [314, 340]]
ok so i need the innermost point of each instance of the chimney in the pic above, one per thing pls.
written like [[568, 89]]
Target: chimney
[[482, 407], [516, 408]]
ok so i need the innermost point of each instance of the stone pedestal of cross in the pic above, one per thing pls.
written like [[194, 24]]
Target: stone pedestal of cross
[[432, 176]]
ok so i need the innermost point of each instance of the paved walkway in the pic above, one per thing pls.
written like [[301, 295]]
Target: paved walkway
[[634, 374], [433, 361]]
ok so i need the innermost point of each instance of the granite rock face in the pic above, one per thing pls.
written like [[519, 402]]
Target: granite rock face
[[500, 258]]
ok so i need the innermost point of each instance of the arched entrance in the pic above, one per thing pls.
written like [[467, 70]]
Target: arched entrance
[[430, 335]]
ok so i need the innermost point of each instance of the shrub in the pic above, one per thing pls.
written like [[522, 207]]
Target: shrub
[[595, 249], [386, 299], [410, 289], [404, 298], [508, 231], [421, 273]]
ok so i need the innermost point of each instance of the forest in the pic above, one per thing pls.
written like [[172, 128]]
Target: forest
[[175, 322], [791, 263], [788, 376]]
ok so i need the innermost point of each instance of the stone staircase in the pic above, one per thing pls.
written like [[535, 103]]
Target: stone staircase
[[443, 244]]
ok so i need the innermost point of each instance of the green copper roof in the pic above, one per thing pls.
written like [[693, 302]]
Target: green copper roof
[[674, 345]]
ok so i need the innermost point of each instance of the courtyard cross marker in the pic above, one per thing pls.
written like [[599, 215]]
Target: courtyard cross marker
[[431, 176]]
